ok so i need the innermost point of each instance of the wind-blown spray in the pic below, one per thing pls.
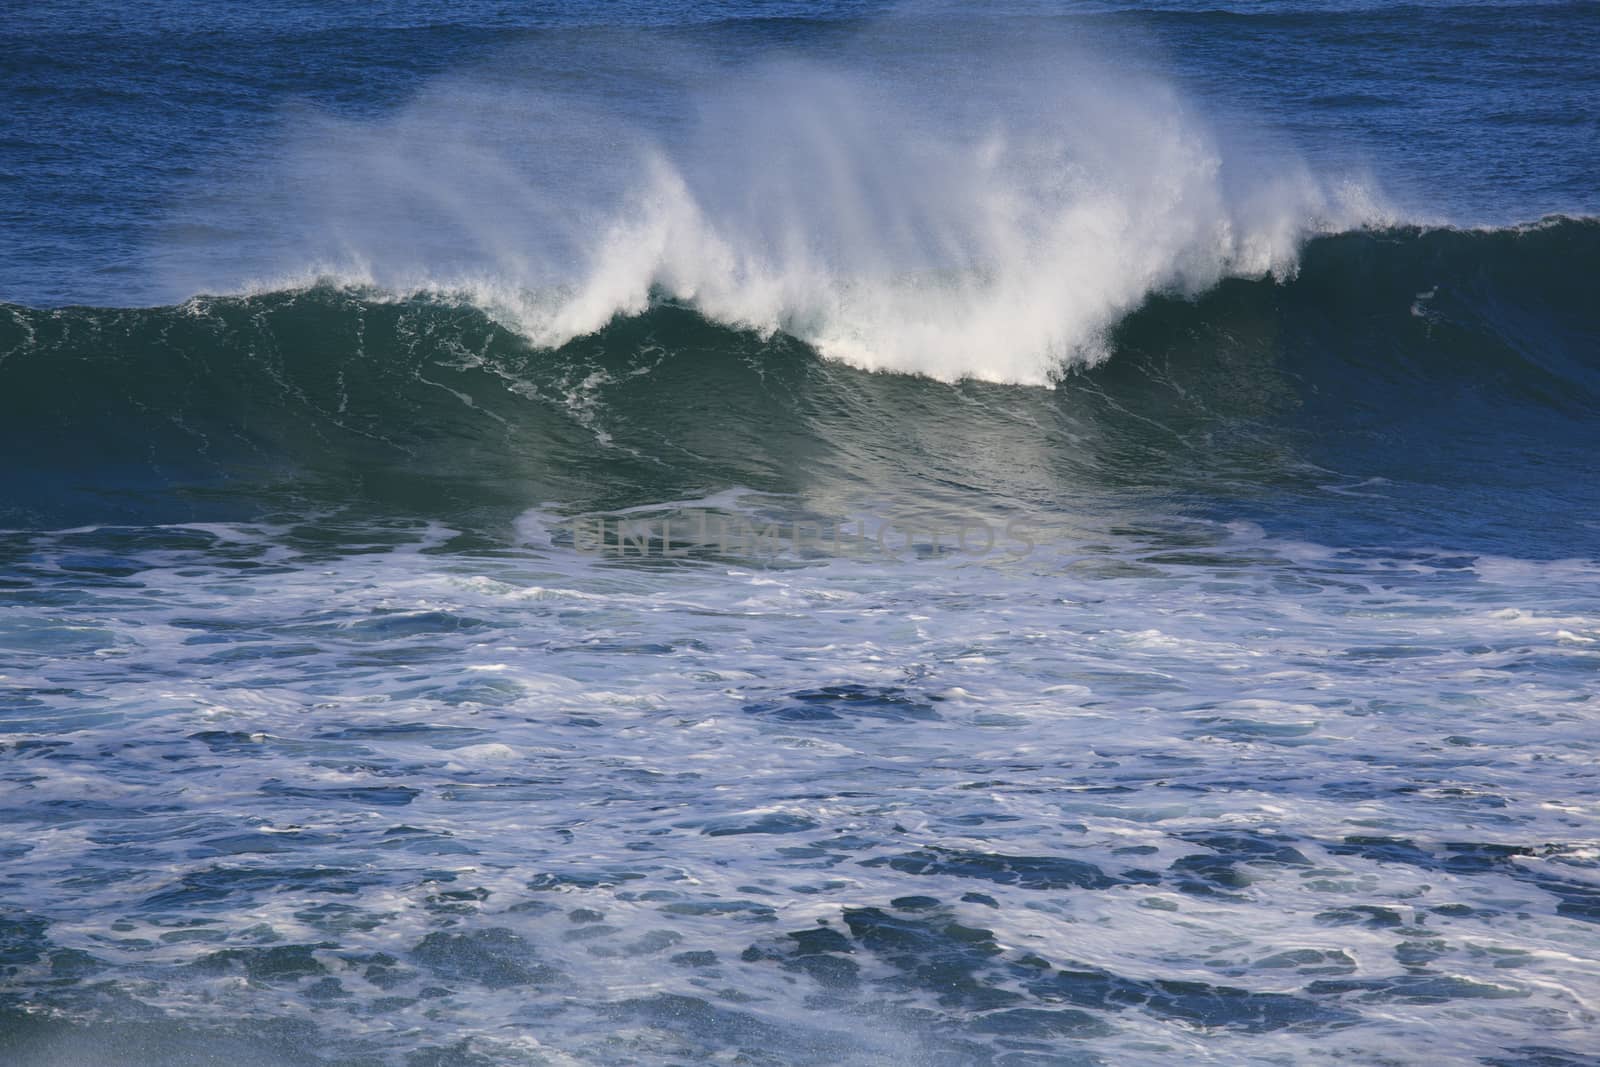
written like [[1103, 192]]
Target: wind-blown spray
[[866, 204]]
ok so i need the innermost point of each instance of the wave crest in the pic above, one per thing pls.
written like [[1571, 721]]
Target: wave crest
[[986, 216]]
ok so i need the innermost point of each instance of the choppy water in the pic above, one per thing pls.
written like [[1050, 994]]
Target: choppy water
[[821, 536]]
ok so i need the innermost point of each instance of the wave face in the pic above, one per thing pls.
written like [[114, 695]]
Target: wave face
[[1405, 337]]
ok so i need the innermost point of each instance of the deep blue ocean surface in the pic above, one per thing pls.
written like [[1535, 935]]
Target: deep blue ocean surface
[[799, 533]]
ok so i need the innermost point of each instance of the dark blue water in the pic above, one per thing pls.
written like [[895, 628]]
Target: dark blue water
[[799, 533]]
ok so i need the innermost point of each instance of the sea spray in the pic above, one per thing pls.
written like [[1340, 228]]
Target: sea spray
[[985, 214]]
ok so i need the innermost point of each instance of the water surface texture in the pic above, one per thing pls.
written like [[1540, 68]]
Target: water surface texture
[[800, 533]]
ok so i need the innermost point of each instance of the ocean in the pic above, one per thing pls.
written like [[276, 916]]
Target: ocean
[[806, 532]]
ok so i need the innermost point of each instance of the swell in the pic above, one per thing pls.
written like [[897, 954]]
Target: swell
[[428, 405]]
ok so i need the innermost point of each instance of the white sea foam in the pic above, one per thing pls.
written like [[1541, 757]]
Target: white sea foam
[[572, 715]]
